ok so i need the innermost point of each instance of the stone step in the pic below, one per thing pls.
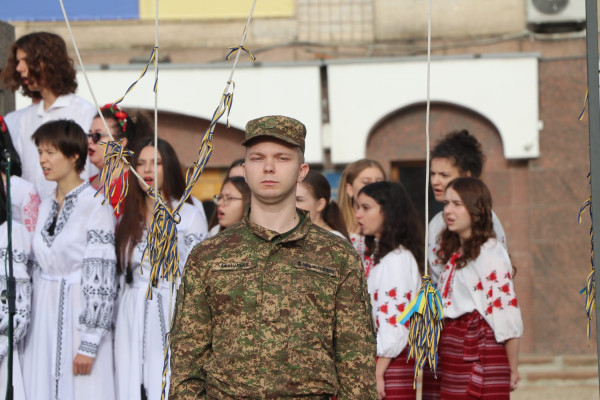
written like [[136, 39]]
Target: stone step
[[563, 370]]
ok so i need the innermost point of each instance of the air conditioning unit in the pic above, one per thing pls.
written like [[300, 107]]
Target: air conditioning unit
[[561, 14]]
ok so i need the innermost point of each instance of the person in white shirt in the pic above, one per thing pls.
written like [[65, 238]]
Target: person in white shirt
[[39, 62], [313, 194], [456, 154], [24, 199], [68, 349], [479, 345], [393, 263], [21, 247], [142, 324]]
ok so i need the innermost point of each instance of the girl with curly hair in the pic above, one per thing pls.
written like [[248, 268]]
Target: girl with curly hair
[[479, 344], [39, 63], [393, 264]]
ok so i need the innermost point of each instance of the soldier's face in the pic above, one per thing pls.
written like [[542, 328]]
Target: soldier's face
[[272, 170], [369, 216]]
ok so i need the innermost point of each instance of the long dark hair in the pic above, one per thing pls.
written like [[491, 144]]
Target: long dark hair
[[131, 225], [242, 187], [477, 199], [401, 223], [318, 185]]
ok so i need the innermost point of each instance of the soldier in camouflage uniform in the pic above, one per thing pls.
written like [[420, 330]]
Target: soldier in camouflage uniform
[[273, 306]]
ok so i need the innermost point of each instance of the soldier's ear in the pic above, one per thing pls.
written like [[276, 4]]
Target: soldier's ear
[[303, 171]]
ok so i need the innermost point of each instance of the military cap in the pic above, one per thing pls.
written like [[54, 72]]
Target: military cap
[[283, 128]]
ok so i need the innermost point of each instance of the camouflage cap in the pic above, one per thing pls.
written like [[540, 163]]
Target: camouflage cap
[[283, 128]]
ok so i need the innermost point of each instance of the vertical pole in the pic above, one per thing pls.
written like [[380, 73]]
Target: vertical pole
[[594, 126]]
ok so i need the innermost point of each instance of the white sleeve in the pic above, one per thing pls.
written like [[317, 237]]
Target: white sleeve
[[398, 283], [21, 248], [196, 230], [499, 230], [436, 225], [98, 280], [501, 308]]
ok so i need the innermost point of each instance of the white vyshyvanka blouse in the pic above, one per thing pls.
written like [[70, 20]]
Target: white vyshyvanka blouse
[[21, 247], [392, 284], [484, 285], [73, 298]]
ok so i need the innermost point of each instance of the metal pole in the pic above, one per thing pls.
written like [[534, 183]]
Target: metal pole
[[591, 10]]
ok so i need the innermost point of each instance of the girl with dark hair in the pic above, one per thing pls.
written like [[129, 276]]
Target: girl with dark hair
[[141, 324], [21, 247], [24, 200], [68, 350], [479, 344], [458, 154], [393, 265], [313, 194], [232, 203], [355, 176], [122, 125]]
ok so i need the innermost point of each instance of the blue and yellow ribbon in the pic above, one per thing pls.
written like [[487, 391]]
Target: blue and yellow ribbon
[[590, 288], [234, 49], [584, 105], [151, 60], [425, 313], [115, 165]]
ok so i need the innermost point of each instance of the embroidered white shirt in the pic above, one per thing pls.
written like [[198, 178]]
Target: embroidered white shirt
[[392, 284], [484, 285]]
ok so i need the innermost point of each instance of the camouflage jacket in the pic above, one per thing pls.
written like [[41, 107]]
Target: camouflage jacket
[[267, 315]]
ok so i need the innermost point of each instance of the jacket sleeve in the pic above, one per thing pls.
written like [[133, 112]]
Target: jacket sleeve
[[191, 334], [355, 345]]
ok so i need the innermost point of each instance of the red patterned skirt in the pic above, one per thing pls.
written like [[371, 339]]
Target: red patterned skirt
[[474, 365], [430, 388], [399, 378]]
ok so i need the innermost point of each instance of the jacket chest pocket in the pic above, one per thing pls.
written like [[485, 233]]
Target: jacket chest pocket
[[234, 289], [314, 293]]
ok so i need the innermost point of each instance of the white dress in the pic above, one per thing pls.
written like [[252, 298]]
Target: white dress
[[436, 226], [142, 324], [392, 283], [484, 285], [69, 106], [21, 246], [73, 299], [25, 202]]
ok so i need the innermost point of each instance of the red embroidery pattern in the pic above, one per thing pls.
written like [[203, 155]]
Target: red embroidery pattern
[[392, 320], [392, 293], [30, 211]]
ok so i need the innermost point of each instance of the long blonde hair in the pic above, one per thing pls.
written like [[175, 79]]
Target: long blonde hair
[[345, 201]]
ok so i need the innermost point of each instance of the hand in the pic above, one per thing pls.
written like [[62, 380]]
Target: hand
[[514, 380], [82, 365], [380, 387]]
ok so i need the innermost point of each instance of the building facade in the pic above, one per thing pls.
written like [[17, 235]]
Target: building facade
[[354, 71]]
